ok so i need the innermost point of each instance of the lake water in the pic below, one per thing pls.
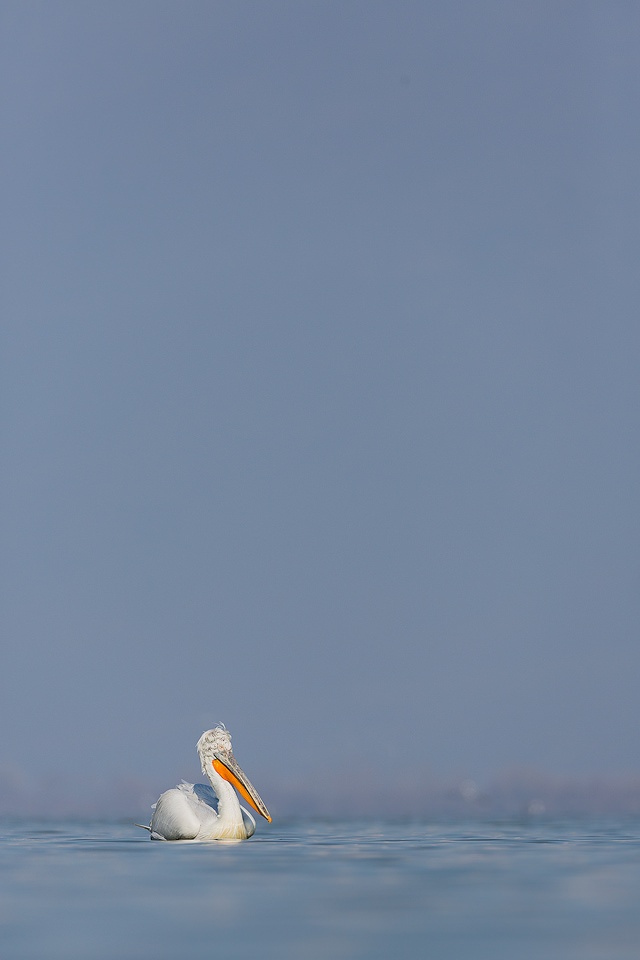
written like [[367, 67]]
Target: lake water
[[309, 889]]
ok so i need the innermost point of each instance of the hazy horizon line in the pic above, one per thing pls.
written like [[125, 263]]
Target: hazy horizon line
[[515, 792]]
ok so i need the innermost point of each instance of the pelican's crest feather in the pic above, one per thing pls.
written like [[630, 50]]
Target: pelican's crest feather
[[211, 741]]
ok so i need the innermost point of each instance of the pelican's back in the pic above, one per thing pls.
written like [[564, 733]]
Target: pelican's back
[[190, 812], [184, 813]]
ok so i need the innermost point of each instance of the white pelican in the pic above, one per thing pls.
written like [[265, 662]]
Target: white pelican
[[201, 812]]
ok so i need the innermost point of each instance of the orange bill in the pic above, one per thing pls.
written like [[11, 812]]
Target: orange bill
[[238, 780]]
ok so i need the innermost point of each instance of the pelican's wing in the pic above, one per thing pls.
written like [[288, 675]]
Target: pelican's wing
[[203, 792], [249, 822], [182, 813]]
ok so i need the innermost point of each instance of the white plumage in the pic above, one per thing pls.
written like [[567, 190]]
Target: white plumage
[[202, 812], [191, 812]]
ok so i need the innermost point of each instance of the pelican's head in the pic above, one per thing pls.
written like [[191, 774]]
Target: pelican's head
[[214, 750]]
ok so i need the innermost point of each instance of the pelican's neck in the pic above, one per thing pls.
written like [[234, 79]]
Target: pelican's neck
[[229, 812]]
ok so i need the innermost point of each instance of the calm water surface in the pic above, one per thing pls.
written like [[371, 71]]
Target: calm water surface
[[549, 891]]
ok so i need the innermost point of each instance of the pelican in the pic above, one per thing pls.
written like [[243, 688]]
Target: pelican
[[197, 811]]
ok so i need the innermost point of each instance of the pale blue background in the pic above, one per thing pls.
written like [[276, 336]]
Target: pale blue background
[[319, 392]]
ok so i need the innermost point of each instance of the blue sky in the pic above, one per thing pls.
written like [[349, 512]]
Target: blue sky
[[320, 388]]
